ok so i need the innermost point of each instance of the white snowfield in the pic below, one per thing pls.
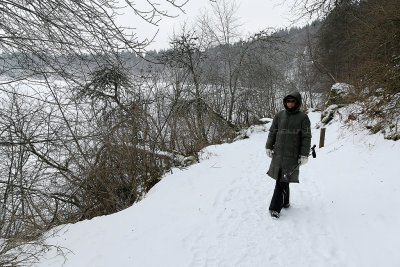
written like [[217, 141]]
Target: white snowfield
[[344, 212]]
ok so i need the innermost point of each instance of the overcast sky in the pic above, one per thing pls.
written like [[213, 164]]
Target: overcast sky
[[254, 15]]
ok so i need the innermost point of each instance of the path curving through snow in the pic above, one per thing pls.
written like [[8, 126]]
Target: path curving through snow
[[215, 213]]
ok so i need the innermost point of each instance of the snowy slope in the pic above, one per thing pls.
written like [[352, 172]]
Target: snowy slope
[[215, 213]]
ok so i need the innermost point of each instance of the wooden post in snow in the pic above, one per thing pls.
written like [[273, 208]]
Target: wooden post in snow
[[322, 137]]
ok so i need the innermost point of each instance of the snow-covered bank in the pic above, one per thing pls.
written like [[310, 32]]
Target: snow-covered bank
[[360, 184], [215, 213]]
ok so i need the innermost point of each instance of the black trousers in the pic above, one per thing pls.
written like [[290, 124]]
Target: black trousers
[[281, 195]]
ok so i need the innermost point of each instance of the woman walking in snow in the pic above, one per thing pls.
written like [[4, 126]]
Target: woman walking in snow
[[288, 144]]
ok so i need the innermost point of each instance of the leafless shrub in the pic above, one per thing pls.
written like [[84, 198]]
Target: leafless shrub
[[51, 136]]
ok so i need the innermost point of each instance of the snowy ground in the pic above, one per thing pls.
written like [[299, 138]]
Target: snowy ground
[[215, 213]]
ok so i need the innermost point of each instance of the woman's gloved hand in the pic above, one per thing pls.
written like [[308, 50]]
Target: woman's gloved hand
[[270, 153], [303, 160]]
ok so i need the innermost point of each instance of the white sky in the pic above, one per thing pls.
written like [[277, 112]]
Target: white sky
[[254, 15]]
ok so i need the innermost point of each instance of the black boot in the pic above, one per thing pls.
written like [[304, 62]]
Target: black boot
[[274, 214]]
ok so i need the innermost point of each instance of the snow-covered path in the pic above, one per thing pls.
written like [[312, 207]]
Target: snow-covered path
[[215, 213]]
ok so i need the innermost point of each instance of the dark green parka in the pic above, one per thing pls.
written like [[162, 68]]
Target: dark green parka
[[289, 137]]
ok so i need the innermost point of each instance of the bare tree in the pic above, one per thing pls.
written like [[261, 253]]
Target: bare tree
[[68, 116], [222, 29], [313, 9]]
